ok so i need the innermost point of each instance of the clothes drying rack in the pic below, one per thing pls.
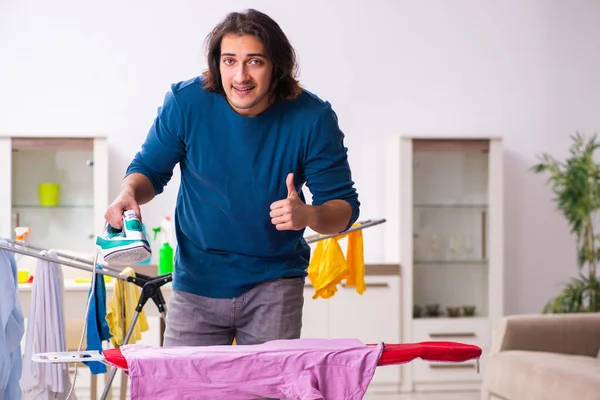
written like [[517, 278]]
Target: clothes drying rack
[[150, 285]]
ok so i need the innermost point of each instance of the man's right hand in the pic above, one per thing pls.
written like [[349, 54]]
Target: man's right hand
[[136, 189], [114, 213]]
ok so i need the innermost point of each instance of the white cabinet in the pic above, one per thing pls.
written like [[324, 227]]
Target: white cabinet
[[78, 166], [444, 211], [315, 315], [372, 317], [474, 331]]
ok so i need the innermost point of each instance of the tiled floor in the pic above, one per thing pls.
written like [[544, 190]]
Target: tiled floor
[[425, 396]]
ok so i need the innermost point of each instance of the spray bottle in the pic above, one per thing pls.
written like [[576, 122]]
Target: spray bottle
[[22, 232], [165, 252]]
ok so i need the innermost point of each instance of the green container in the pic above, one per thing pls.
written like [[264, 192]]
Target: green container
[[49, 194], [165, 259]]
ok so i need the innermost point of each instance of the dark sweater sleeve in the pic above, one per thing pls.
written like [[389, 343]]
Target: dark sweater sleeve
[[327, 170], [163, 147]]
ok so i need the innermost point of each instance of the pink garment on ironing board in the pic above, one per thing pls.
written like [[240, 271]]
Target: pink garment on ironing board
[[300, 369]]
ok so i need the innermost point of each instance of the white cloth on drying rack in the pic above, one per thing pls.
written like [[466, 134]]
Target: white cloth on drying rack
[[46, 333], [12, 327]]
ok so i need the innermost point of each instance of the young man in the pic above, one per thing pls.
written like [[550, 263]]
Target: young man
[[246, 137]]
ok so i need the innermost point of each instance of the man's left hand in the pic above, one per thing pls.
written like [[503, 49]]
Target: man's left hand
[[290, 214]]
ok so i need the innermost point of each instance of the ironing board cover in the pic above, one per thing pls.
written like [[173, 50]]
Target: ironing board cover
[[435, 351]]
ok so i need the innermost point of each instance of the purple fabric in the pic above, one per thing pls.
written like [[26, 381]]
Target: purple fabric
[[299, 369]]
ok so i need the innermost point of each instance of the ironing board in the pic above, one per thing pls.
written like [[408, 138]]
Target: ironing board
[[392, 354], [388, 354]]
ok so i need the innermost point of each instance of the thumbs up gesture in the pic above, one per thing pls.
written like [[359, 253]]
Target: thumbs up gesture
[[290, 213]]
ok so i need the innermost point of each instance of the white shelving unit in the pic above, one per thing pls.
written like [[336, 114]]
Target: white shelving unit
[[79, 165], [444, 211]]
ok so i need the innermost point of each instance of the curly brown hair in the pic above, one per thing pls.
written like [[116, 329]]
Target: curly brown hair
[[284, 83]]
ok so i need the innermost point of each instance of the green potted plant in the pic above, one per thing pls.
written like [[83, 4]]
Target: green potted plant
[[576, 186]]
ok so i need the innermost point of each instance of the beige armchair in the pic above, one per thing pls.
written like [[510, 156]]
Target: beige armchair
[[545, 357]]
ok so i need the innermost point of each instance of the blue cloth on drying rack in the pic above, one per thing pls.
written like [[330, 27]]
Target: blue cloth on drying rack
[[12, 327], [97, 327]]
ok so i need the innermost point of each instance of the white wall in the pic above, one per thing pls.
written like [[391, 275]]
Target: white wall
[[526, 70]]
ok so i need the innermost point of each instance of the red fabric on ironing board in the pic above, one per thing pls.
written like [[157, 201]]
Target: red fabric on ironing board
[[114, 357], [392, 353], [428, 351]]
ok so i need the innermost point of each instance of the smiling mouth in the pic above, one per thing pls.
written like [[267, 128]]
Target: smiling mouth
[[243, 88]]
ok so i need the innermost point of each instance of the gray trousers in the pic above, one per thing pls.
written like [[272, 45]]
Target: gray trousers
[[271, 310]]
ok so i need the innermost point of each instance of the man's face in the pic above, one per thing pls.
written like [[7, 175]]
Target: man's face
[[245, 74]]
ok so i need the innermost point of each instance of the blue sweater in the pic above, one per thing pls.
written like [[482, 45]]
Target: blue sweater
[[232, 169]]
